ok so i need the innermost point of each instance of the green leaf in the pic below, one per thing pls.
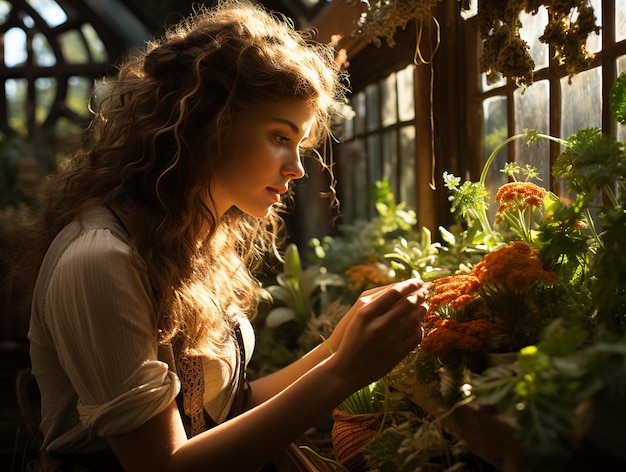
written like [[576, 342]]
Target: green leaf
[[279, 316], [617, 98], [293, 265]]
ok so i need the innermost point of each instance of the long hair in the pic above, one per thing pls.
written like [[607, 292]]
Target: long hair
[[158, 136]]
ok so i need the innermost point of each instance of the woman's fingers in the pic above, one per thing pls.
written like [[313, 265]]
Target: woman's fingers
[[388, 295]]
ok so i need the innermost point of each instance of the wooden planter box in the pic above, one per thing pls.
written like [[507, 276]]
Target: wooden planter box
[[488, 435]]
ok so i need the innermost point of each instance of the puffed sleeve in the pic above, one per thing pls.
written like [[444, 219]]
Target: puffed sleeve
[[101, 317]]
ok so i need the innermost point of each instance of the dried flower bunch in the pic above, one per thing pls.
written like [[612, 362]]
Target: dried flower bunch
[[505, 53], [383, 18]]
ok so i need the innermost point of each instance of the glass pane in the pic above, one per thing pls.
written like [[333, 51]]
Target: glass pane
[[95, 44], [372, 107], [358, 104], [374, 161], [15, 53], [44, 56], [50, 11], [532, 29], [407, 161], [355, 180], [581, 105], [495, 127], [78, 94], [348, 128], [16, 93], [45, 90], [389, 100], [594, 42], [621, 68], [620, 21], [73, 47], [5, 8], [406, 93], [70, 132], [532, 111], [390, 158], [28, 22]]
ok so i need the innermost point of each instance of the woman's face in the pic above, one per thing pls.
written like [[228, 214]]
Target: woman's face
[[266, 157]]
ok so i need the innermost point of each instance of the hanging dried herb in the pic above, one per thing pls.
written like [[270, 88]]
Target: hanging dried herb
[[505, 53], [384, 17]]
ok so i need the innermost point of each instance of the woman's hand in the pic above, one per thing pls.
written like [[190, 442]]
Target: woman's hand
[[382, 327]]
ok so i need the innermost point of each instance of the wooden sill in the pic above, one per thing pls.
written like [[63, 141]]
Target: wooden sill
[[488, 435]]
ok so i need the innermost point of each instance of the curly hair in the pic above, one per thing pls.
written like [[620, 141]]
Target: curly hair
[[161, 132]]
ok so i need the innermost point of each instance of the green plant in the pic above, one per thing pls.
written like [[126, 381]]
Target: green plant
[[298, 291]]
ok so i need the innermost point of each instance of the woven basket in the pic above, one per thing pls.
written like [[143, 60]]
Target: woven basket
[[350, 434]]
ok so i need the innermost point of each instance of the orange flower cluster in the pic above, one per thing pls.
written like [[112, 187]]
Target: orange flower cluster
[[516, 265], [449, 338], [454, 291], [520, 195], [365, 276]]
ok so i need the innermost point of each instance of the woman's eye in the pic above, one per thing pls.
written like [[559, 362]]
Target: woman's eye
[[281, 139]]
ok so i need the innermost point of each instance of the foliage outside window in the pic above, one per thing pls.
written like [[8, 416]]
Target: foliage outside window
[[50, 59], [379, 142]]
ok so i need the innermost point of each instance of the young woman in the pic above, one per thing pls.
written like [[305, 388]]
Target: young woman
[[146, 248]]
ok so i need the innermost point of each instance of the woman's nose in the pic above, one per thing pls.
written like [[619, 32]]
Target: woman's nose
[[293, 168]]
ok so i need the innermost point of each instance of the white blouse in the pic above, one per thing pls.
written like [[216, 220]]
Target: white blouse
[[93, 341]]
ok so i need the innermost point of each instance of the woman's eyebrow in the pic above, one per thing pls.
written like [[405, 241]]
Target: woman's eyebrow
[[289, 123]]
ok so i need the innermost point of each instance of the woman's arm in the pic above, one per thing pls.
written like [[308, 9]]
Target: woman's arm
[[270, 385], [381, 330]]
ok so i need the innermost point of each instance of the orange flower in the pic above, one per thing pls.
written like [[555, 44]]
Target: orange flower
[[520, 195], [516, 265], [365, 276], [450, 338], [455, 291]]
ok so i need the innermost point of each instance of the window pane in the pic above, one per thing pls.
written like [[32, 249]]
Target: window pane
[[354, 180], [50, 11], [532, 112], [15, 53], [70, 132], [96, 47], [407, 161], [496, 130], [358, 104], [73, 47], [44, 56], [5, 8], [45, 89], [360, 187], [390, 158], [348, 128], [594, 42], [532, 29], [406, 93], [621, 68], [16, 90], [620, 21], [374, 161], [78, 94], [581, 102], [372, 107], [389, 100]]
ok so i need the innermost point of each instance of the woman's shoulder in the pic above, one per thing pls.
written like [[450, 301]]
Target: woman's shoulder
[[96, 235]]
